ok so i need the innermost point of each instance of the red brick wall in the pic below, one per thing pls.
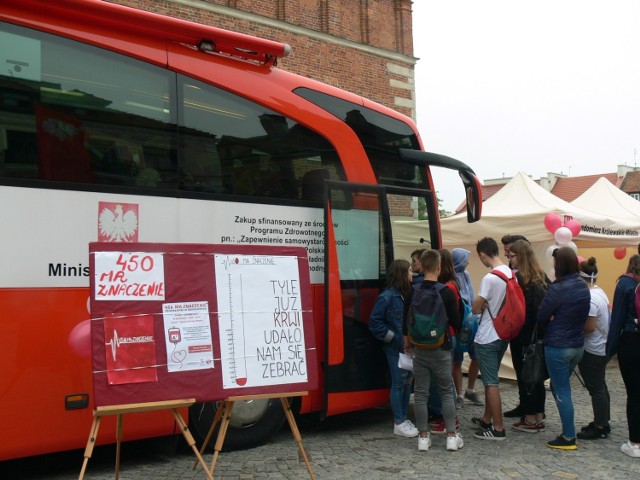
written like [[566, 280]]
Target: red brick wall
[[384, 25]]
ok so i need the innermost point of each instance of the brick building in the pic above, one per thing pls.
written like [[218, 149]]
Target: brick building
[[363, 46]]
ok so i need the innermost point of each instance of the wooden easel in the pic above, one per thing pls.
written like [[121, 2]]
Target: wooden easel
[[223, 414], [120, 410]]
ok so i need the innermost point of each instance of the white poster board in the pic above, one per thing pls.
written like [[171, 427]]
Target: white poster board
[[261, 331]]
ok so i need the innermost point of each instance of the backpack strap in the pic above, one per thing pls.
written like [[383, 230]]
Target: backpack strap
[[501, 274], [453, 288], [506, 279]]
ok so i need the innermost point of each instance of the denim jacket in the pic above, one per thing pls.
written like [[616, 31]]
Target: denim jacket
[[563, 312], [385, 322]]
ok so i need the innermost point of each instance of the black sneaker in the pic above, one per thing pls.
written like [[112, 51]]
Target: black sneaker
[[490, 434], [515, 413], [562, 443], [479, 421], [591, 432], [591, 425]]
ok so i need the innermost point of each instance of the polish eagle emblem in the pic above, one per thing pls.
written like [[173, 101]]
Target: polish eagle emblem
[[116, 225]]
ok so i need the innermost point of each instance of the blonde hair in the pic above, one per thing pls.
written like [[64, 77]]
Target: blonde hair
[[528, 265]]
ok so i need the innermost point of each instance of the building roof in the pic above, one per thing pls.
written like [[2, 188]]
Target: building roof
[[631, 182], [487, 192], [570, 188]]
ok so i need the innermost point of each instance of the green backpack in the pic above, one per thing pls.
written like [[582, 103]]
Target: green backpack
[[428, 322]]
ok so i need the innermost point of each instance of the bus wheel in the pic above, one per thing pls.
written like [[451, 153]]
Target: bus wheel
[[252, 423]]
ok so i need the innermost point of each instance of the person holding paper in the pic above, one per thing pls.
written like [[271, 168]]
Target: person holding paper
[[385, 323]]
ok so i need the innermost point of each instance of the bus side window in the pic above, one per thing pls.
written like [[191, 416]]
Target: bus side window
[[312, 184], [200, 168]]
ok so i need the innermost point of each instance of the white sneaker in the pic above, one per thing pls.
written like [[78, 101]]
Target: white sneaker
[[424, 443], [633, 450], [455, 443], [405, 429]]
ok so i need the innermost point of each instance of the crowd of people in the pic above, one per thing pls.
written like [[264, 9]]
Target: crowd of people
[[580, 329]]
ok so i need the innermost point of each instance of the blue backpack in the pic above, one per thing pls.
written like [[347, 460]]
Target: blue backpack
[[468, 328], [428, 322]]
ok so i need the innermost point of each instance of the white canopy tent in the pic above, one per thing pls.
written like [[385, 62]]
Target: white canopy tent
[[604, 198], [520, 208]]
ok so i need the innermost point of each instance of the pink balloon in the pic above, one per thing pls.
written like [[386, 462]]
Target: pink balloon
[[574, 226], [80, 339], [552, 222], [580, 259], [620, 253]]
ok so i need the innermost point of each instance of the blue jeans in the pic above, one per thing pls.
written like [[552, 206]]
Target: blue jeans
[[400, 388], [560, 364]]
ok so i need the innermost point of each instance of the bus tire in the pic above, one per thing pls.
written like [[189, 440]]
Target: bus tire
[[252, 423]]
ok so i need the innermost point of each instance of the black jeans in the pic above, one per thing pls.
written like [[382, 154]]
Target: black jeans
[[592, 368], [629, 359], [531, 400], [516, 346]]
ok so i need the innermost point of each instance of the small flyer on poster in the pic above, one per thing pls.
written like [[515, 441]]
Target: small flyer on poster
[[188, 336]]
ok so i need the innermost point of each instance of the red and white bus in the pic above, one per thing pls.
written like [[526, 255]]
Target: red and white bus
[[123, 125]]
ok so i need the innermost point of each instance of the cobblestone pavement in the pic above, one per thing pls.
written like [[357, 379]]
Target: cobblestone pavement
[[362, 445]]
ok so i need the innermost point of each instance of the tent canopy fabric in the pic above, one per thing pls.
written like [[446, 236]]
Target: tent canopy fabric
[[604, 198], [520, 207]]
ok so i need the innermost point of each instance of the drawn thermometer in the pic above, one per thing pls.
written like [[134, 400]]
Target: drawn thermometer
[[236, 339], [233, 325]]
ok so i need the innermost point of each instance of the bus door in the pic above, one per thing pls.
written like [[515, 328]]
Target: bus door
[[366, 227]]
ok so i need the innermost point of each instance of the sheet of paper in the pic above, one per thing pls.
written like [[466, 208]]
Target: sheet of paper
[[260, 320], [188, 336]]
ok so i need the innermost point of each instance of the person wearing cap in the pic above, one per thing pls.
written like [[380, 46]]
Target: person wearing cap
[[460, 263]]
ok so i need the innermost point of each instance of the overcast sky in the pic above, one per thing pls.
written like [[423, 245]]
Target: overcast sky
[[534, 86]]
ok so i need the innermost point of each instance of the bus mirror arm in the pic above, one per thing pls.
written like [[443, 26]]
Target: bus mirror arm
[[473, 189]]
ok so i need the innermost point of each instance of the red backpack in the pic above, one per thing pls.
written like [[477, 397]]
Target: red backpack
[[509, 319]]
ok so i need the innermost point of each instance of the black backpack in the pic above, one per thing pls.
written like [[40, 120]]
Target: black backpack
[[428, 321]]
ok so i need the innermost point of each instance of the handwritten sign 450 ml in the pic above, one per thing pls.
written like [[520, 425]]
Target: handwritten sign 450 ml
[[129, 276]]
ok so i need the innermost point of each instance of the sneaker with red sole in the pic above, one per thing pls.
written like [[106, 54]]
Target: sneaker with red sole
[[439, 428], [525, 426]]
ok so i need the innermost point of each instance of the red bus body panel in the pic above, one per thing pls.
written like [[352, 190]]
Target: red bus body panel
[[46, 370]]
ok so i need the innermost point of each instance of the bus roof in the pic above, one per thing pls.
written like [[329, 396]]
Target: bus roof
[[119, 17]]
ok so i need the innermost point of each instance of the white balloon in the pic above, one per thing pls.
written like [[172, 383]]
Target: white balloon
[[550, 250], [572, 246], [563, 236]]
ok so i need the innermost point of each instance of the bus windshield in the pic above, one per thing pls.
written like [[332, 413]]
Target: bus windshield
[[380, 135]]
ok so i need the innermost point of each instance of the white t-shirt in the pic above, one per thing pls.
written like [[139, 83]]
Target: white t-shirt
[[493, 289], [596, 342]]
